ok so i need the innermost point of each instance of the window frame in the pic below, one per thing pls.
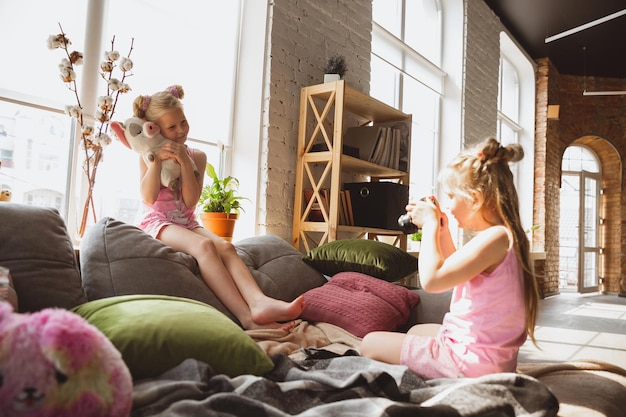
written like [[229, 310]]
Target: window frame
[[523, 126], [410, 64], [75, 191]]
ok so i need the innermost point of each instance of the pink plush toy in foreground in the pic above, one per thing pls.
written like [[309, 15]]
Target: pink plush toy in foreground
[[54, 363], [145, 138]]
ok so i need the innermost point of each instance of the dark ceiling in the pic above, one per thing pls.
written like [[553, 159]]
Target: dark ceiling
[[597, 51]]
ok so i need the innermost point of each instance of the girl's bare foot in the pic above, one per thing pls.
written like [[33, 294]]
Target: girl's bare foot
[[270, 310], [269, 326]]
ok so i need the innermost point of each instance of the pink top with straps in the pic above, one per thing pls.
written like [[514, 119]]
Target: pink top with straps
[[168, 209], [486, 324]]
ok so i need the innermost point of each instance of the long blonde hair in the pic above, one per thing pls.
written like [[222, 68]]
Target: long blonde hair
[[154, 106], [484, 169]]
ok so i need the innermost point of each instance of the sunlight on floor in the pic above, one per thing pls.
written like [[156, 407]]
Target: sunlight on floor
[[563, 344], [606, 311]]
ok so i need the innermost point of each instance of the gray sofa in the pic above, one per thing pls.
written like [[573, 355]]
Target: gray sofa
[[116, 259]]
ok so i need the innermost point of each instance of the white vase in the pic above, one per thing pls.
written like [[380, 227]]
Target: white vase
[[329, 78]]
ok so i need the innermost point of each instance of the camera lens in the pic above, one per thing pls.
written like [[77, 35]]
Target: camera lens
[[406, 225]]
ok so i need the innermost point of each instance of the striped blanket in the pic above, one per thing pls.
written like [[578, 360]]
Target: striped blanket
[[327, 384]]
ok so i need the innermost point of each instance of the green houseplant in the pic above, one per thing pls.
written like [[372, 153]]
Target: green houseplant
[[335, 68], [220, 203]]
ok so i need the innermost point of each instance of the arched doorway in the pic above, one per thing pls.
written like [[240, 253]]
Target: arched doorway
[[579, 222]]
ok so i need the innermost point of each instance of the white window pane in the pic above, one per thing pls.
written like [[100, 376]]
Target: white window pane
[[384, 82], [160, 60], [388, 14], [25, 26], [402, 78], [423, 104], [509, 90], [37, 165], [423, 28], [34, 151], [579, 158], [190, 43]]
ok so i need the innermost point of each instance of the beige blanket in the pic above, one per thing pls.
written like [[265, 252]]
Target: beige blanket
[[305, 335]]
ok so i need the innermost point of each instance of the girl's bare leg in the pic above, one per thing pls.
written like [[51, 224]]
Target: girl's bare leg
[[386, 346], [228, 277], [263, 309], [382, 346], [427, 329]]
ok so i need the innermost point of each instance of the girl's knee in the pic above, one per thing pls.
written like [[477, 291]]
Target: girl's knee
[[382, 346], [369, 345], [207, 247], [226, 248]]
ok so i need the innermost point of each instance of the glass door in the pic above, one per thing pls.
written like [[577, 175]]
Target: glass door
[[588, 278], [579, 224], [569, 232]]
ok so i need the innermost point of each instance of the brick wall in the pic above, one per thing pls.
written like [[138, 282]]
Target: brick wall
[[481, 68], [303, 34], [600, 124]]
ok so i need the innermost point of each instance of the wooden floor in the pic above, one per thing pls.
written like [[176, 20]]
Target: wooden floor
[[575, 326]]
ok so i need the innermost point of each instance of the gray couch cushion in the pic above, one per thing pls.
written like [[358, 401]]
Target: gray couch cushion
[[278, 267], [35, 246], [119, 259]]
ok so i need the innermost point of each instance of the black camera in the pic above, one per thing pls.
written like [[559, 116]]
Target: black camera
[[406, 225]]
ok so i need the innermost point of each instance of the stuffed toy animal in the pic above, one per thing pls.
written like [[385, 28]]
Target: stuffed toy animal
[[5, 194], [54, 363], [145, 138]]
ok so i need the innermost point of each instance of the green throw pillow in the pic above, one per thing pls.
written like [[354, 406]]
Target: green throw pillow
[[370, 257], [155, 333]]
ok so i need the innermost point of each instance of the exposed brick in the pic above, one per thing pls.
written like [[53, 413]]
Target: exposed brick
[[598, 123]]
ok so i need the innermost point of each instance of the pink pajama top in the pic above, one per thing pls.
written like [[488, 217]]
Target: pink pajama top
[[486, 324], [168, 209]]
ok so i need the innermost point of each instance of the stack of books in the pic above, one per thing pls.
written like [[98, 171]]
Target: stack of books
[[381, 145], [346, 216]]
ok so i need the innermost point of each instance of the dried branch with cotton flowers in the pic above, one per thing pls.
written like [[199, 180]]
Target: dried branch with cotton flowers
[[93, 138]]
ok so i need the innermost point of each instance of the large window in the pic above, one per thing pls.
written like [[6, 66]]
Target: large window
[[516, 118], [406, 73], [508, 105], [170, 44]]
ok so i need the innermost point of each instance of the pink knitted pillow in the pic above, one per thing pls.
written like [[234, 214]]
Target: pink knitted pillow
[[359, 303]]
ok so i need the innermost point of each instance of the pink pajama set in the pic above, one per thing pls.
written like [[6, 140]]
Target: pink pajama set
[[168, 209], [483, 331]]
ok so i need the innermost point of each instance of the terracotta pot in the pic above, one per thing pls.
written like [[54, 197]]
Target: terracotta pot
[[221, 224]]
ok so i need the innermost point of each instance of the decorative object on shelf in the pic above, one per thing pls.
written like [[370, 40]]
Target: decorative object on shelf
[[220, 204], [5, 195], [93, 138], [335, 68]]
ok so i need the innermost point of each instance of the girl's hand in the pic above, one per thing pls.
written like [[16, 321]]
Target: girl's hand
[[173, 150], [423, 211]]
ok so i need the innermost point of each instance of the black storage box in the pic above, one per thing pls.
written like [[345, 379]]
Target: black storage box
[[378, 204]]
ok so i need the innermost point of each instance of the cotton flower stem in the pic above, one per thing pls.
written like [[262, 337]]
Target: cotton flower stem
[[90, 172], [93, 138], [72, 86]]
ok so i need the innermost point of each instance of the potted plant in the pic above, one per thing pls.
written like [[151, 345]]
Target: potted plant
[[416, 240], [220, 204], [335, 68]]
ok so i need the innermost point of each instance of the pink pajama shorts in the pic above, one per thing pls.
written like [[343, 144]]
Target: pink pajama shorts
[[428, 357]]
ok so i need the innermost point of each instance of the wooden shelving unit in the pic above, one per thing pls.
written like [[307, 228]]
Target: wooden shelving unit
[[326, 110]]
